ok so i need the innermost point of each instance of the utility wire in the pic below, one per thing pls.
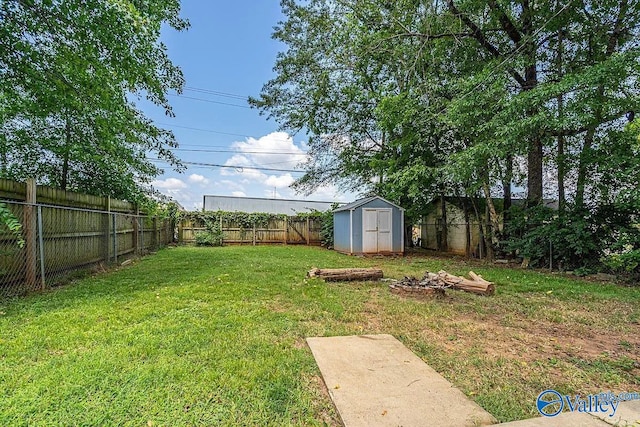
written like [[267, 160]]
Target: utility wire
[[302, 153], [239, 169], [203, 130], [216, 93], [217, 132], [208, 100]]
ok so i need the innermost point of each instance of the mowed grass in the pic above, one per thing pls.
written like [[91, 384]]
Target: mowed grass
[[216, 336]]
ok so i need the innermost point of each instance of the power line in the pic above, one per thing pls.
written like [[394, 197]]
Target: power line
[[204, 130], [216, 93], [208, 100], [301, 153], [219, 133], [239, 169]]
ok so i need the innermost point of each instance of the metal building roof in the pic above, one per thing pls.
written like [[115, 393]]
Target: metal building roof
[[256, 204]]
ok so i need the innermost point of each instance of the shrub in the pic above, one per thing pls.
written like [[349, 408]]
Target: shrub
[[326, 229], [212, 237], [544, 236]]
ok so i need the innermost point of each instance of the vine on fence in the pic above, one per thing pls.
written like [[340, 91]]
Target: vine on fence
[[246, 221], [11, 223]]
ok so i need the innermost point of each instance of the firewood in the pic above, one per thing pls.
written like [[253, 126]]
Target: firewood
[[408, 290], [340, 274], [433, 283], [478, 278], [481, 286]]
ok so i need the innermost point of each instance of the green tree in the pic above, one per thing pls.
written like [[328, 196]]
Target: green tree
[[416, 99], [70, 72]]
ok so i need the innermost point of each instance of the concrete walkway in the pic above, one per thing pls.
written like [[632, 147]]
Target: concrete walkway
[[374, 380]]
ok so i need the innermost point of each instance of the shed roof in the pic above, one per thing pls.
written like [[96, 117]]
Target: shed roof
[[361, 202]]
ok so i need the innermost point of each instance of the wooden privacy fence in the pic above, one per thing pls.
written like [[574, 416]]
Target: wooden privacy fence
[[59, 240], [289, 230]]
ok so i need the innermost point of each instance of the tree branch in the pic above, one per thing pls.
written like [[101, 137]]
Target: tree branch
[[617, 28], [577, 131], [508, 26], [478, 34]]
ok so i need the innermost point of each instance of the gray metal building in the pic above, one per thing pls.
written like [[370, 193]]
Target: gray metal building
[[369, 226], [256, 204]]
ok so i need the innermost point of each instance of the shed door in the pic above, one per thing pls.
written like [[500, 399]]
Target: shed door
[[376, 230]]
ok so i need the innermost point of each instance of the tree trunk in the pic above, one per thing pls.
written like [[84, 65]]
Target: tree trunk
[[560, 159], [506, 186], [408, 236], [493, 214], [583, 167], [484, 246], [534, 155], [444, 245], [467, 229], [561, 166]]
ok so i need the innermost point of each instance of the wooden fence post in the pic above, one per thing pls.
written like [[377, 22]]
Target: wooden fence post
[[254, 233], [30, 234], [181, 230], [106, 226], [115, 237], [308, 231], [286, 230], [155, 233], [136, 230]]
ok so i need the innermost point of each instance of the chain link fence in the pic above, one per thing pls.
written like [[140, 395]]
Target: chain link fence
[[61, 241]]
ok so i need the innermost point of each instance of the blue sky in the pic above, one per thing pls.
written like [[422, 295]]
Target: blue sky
[[226, 55]]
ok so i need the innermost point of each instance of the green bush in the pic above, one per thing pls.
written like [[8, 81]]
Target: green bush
[[624, 263], [586, 241], [545, 236], [326, 230], [212, 237]]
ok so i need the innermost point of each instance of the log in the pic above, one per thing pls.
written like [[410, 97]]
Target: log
[[340, 274], [477, 278], [477, 286], [416, 291]]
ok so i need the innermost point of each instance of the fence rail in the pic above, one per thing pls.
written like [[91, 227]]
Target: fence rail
[[61, 240], [290, 230]]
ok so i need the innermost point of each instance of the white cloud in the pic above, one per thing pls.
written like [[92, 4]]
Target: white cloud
[[198, 179], [171, 184], [180, 191], [281, 181], [331, 193], [276, 150], [238, 194]]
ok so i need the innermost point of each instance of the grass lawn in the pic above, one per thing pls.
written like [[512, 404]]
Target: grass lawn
[[215, 336]]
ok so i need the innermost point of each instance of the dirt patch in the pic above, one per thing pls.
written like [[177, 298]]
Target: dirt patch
[[329, 416], [530, 341], [473, 344], [300, 343]]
